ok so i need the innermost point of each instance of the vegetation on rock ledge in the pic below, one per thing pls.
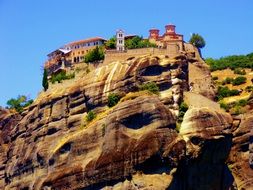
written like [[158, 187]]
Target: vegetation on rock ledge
[[19, 103], [58, 77], [150, 86], [113, 99], [90, 116]]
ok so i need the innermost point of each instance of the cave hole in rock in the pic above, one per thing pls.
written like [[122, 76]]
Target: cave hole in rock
[[195, 140], [51, 131], [251, 139], [165, 86], [244, 147], [25, 188], [65, 148], [137, 121], [40, 159], [51, 162], [154, 165], [153, 70]]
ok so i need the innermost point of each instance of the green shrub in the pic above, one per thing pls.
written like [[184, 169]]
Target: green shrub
[[138, 42], [239, 71], [236, 110], [224, 106], [242, 103], [150, 86], [113, 99], [111, 43], [87, 70], [103, 129], [239, 80], [249, 88], [94, 55], [183, 107], [61, 76], [215, 78], [228, 80], [226, 92], [90, 116]]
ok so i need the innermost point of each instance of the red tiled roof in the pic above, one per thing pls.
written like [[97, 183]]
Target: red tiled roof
[[86, 41]]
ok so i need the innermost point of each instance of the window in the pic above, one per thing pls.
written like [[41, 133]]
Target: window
[[82, 52]]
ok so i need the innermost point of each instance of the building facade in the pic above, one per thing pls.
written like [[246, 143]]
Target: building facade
[[170, 39], [71, 53]]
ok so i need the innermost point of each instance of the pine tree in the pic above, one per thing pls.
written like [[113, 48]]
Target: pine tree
[[44, 80]]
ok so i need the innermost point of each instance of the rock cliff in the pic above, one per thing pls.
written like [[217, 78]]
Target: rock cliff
[[136, 144]]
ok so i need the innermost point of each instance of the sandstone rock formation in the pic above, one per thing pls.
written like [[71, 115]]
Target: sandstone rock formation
[[200, 79], [133, 145], [241, 154]]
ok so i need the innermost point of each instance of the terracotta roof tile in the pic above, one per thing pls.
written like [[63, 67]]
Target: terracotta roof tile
[[85, 41]]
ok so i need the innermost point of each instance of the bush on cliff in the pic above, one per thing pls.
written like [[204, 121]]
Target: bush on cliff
[[90, 116], [183, 107], [150, 86], [94, 55], [113, 99], [239, 80], [58, 77], [226, 92], [19, 103]]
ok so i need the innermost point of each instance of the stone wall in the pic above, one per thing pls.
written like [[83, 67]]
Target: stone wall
[[113, 55]]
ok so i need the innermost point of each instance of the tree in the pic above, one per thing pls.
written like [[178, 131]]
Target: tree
[[138, 42], [197, 41], [45, 80], [111, 43], [18, 104], [94, 55]]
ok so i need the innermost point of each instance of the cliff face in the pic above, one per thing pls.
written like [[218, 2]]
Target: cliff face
[[133, 145]]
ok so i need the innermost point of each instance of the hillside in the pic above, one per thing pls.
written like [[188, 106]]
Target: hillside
[[234, 73], [165, 132]]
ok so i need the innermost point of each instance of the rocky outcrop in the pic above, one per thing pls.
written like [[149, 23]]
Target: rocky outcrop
[[240, 157], [200, 79], [133, 145], [51, 145]]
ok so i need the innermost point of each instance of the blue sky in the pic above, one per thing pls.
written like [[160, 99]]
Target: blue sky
[[30, 29]]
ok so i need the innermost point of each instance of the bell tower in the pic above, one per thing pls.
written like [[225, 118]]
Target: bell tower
[[120, 40]]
